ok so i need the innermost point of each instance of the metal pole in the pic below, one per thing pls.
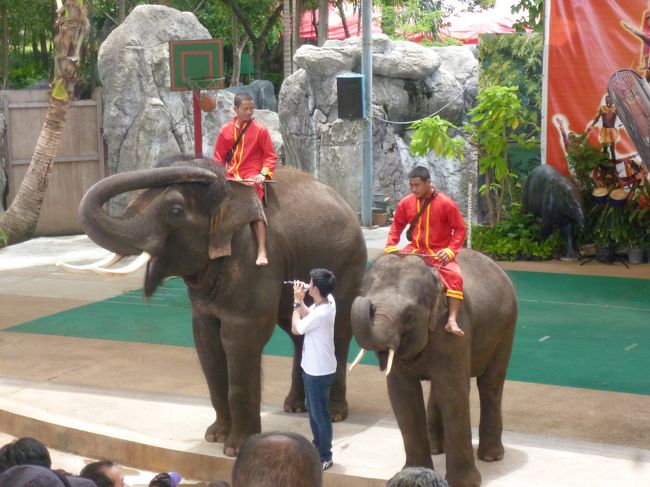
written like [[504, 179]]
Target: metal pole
[[366, 70], [198, 132]]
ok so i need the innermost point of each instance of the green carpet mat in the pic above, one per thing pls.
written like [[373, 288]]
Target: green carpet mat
[[580, 331]]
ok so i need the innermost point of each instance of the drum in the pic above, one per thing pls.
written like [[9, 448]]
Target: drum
[[617, 198], [600, 195]]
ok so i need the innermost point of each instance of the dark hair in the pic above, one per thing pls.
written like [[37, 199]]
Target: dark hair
[[96, 472], [24, 451], [324, 280], [275, 458], [240, 97], [420, 172], [417, 477]]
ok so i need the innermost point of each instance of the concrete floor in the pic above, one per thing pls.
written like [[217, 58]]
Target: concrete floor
[[146, 406]]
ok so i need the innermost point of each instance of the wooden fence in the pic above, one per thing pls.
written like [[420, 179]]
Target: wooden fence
[[80, 157]]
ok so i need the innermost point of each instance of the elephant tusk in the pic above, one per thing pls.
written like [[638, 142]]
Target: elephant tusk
[[142, 259], [357, 360], [391, 355], [106, 261]]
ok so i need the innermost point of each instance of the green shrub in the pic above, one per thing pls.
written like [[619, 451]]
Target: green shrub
[[515, 237]]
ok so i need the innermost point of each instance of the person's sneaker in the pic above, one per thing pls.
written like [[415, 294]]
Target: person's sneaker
[[327, 464]]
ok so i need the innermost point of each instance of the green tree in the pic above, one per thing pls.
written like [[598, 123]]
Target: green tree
[[533, 18], [497, 122], [20, 219]]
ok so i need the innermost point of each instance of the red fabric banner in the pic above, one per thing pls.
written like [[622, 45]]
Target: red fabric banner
[[589, 41]]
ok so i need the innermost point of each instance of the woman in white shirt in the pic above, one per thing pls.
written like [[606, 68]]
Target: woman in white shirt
[[316, 323]]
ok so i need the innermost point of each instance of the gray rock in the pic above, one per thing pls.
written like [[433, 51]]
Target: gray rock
[[144, 120], [262, 92], [410, 82]]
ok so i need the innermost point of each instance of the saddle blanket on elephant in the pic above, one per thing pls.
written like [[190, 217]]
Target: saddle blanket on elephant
[[449, 273]]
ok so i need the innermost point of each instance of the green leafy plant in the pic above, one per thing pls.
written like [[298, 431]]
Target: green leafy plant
[[516, 236], [433, 134], [583, 158], [3, 238], [498, 120]]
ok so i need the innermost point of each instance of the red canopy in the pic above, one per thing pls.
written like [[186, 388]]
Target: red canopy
[[465, 27]]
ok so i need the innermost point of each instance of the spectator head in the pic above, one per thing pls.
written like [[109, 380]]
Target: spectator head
[[417, 477], [171, 479], [323, 280], [37, 476], [274, 458], [104, 473], [24, 451]]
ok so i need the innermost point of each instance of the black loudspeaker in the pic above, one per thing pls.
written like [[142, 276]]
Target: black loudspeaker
[[351, 96]]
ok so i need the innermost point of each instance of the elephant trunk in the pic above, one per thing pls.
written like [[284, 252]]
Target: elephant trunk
[[363, 313], [134, 233]]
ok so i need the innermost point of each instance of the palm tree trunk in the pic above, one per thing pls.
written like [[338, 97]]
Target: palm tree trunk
[[19, 222], [297, 22], [5, 47]]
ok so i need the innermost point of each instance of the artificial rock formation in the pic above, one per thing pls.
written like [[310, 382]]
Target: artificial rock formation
[[409, 82], [144, 120]]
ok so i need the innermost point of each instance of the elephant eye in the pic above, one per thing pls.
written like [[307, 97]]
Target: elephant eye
[[176, 210]]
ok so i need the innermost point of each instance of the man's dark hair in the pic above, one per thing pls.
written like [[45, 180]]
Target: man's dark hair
[[96, 472], [324, 280], [420, 172], [24, 451], [275, 458], [240, 97], [417, 477]]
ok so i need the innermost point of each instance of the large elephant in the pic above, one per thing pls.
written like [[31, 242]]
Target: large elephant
[[401, 315], [196, 224]]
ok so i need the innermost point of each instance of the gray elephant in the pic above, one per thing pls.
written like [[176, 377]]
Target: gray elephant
[[195, 224], [551, 196], [401, 315]]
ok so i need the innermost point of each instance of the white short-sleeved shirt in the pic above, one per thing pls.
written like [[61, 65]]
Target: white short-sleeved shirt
[[318, 347]]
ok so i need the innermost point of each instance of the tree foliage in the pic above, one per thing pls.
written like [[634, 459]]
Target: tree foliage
[[533, 15]]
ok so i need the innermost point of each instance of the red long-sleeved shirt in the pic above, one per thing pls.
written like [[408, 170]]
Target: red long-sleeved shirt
[[440, 226], [254, 154]]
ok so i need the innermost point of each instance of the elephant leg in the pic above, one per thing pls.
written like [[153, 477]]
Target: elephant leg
[[244, 354], [454, 406], [490, 389], [213, 362], [338, 403], [408, 405], [435, 430], [295, 400]]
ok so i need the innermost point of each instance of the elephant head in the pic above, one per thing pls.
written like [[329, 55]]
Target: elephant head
[[187, 215], [401, 302]]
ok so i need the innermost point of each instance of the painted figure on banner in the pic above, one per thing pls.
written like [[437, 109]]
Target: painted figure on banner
[[643, 33]]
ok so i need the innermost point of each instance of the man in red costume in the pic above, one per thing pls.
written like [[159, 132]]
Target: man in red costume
[[244, 146], [438, 233]]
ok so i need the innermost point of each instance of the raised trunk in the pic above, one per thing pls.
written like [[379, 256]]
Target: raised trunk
[[137, 232]]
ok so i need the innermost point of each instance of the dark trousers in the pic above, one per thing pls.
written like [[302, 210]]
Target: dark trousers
[[317, 393]]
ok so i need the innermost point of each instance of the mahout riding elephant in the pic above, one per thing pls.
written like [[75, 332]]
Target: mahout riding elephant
[[196, 224], [401, 314]]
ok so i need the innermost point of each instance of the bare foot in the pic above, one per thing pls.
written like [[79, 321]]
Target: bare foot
[[261, 260], [452, 327]]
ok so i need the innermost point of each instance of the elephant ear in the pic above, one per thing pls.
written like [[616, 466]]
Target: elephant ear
[[439, 302], [240, 207]]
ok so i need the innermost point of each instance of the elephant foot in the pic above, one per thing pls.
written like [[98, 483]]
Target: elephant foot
[[470, 478], [217, 432], [294, 405], [338, 410], [490, 453], [230, 451]]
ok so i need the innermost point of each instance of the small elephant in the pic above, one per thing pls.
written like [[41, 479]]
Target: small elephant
[[196, 224], [401, 315], [553, 197]]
